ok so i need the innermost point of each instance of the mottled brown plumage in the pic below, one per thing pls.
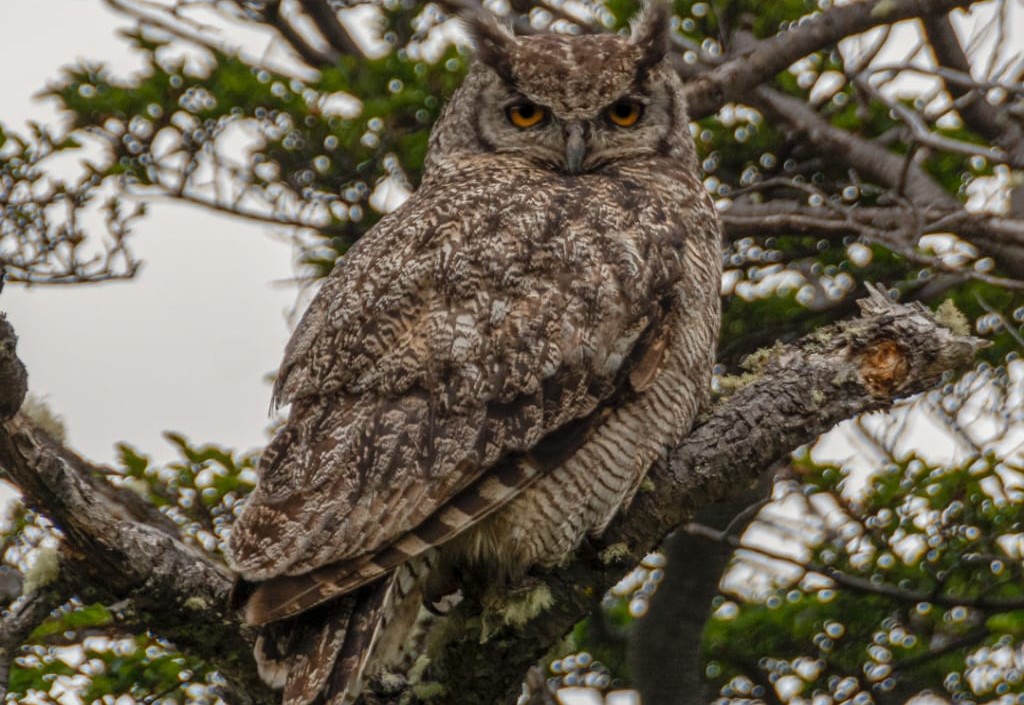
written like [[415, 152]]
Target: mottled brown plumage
[[487, 376]]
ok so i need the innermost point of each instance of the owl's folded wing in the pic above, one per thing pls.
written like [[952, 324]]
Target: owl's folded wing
[[428, 387]]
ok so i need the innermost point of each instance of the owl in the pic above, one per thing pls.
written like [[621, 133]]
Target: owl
[[485, 378]]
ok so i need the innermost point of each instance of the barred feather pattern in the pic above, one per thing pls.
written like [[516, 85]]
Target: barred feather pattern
[[488, 374]]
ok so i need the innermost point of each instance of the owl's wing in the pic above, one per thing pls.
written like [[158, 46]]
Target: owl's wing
[[445, 351]]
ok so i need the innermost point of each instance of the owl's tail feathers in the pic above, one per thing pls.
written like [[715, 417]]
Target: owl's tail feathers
[[298, 654], [322, 655]]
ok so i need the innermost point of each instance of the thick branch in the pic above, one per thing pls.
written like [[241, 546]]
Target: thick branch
[[133, 554], [179, 593], [13, 377], [870, 158], [837, 372], [666, 656], [733, 80]]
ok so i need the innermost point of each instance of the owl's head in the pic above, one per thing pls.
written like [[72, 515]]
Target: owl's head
[[571, 104]]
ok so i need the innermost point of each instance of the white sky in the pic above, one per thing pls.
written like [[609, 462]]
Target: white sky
[[186, 346]]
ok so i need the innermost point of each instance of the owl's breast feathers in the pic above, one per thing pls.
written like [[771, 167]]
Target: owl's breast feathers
[[465, 346]]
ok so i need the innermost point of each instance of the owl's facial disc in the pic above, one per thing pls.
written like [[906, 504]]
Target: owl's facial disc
[[569, 104], [576, 104]]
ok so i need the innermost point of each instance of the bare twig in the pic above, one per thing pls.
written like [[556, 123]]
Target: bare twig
[[734, 79], [310, 54], [863, 585], [327, 22]]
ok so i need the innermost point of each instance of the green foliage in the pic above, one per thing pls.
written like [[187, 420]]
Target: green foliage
[[322, 144], [916, 581], [199, 492], [318, 148], [99, 662], [96, 649]]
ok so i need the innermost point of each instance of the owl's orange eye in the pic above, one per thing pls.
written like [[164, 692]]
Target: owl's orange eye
[[524, 115], [625, 113]]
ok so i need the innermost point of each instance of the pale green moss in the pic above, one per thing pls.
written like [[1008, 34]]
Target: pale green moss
[[759, 359], [883, 8], [429, 691], [137, 485], [950, 316], [390, 682], [197, 603], [451, 628], [514, 608], [729, 384], [616, 553], [753, 365], [44, 417], [521, 608], [419, 667], [44, 570]]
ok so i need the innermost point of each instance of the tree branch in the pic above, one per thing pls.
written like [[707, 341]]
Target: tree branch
[[1000, 238], [863, 585], [330, 26], [23, 616], [989, 121], [131, 550], [310, 54], [848, 368], [13, 376], [870, 158], [854, 366], [896, 227], [666, 656], [733, 80]]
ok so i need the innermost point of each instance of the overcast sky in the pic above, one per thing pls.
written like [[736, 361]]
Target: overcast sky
[[186, 346]]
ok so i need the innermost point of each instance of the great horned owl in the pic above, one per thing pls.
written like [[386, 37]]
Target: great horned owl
[[487, 376]]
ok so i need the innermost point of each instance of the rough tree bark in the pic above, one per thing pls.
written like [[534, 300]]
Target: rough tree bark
[[117, 550]]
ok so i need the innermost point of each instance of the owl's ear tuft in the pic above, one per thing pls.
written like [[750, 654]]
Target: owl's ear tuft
[[492, 40], [652, 28]]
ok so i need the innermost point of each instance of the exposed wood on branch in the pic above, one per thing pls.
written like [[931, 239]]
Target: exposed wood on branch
[[837, 372]]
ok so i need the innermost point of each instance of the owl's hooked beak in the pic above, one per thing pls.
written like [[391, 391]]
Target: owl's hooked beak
[[575, 146]]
